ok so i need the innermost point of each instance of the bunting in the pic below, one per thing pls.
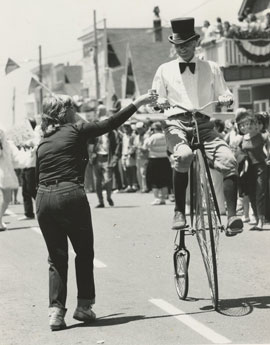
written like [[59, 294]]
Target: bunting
[[256, 51], [11, 66]]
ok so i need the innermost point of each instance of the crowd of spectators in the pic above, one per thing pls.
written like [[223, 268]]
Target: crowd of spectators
[[249, 26], [134, 158]]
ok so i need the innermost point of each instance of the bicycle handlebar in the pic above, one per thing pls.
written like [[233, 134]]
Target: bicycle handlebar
[[198, 109], [167, 105]]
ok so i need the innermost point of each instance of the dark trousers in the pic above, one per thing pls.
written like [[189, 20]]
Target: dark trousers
[[117, 176], [104, 177], [257, 186], [63, 212], [28, 191]]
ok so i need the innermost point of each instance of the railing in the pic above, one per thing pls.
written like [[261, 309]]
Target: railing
[[225, 52]]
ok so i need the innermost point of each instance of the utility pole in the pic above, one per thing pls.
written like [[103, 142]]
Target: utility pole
[[40, 78], [96, 58], [14, 106], [106, 69]]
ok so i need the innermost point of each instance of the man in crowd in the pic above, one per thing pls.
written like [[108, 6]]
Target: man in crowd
[[103, 156]]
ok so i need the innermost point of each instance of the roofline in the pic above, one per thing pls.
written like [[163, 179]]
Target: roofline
[[91, 33]]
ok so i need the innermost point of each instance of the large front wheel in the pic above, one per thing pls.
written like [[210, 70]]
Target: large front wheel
[[207, 224]]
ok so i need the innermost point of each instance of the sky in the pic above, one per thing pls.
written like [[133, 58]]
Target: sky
[[57, 24]]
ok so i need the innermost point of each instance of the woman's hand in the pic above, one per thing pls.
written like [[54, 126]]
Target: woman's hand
[[145, 99]]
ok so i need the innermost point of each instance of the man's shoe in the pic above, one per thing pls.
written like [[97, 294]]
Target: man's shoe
[[56, 316], [84, 314], [100, 206], [179, 221], [110, 202], [234, 227], [26, 218]]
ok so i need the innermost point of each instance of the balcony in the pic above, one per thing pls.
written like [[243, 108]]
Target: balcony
[[232, 52]]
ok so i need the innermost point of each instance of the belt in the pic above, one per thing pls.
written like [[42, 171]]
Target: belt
[[187, 116], [56, 182]]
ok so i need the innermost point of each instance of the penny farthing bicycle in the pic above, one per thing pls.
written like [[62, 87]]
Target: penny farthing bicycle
[[205, 221]]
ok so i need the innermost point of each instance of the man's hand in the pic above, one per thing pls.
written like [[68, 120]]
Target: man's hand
[[226, 100]]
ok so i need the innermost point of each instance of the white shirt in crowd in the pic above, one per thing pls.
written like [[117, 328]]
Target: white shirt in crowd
[[187, 89], [156, 144], [103, 145]]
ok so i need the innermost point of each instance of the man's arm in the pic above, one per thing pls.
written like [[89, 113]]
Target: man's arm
[[159, 84]]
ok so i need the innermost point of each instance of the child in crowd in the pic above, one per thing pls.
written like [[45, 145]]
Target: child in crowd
[[159, 171], [255, 145]]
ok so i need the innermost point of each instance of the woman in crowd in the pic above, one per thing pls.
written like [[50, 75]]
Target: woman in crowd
[[159, 170], [8, 178], [128, 159], [256, 145], [61, 204], [141, 156]]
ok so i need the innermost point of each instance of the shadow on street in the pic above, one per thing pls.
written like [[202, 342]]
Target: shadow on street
[[243, 306]]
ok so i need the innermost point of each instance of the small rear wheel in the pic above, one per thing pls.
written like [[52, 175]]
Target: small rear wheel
[[181, 262]]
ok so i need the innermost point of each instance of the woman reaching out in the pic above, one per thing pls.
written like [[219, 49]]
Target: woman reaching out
[[62, 207]]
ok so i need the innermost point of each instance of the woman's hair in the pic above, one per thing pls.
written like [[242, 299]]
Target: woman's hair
[[262, 118], [54, 111], [157, 126], [243, 114], [220, 125]]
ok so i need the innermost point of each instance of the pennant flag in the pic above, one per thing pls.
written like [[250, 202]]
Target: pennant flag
[[11, 66], [33, 84]]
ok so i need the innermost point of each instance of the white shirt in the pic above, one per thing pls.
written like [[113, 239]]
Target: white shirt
[[188, 89], [103, 145], [156, 144]]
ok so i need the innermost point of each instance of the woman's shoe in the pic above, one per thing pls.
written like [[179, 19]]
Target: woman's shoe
[[84, 314], [245, 219], [156, 202], [3, 227], [57, 321]]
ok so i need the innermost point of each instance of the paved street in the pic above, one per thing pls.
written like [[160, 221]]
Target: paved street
[[136, 300]]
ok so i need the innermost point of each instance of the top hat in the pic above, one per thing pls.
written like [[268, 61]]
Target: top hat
[[183, 30]]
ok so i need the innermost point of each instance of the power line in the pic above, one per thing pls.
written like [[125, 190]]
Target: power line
[[197, 7]]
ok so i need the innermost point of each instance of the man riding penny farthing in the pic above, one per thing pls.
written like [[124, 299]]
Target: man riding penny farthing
[[191, 83]]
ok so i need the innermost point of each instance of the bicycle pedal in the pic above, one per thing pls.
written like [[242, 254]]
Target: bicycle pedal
[[189, 230]]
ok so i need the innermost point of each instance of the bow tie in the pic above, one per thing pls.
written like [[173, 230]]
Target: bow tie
[[184, 65]]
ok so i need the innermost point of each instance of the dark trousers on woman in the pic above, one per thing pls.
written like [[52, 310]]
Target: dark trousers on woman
[[28, 191], [63, 212], [257, 186]]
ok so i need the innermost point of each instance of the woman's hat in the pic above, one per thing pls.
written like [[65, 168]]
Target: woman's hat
[[183, 30]]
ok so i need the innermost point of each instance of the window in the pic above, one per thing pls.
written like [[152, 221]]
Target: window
[[245, 95], [261, 105]]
